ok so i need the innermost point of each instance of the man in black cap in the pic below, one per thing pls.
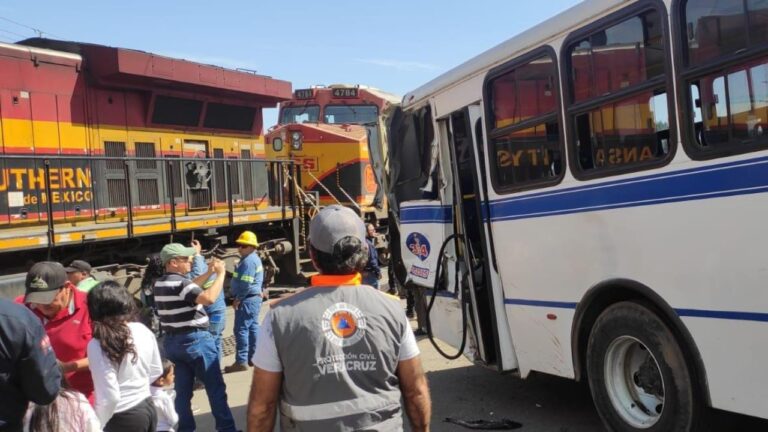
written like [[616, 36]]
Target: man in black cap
[[28, 368], [63, 310], [79, 273]]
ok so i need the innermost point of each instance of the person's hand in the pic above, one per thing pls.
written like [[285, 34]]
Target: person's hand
[[218, 266], [198, 248], [264, 295], [235, 304], [68, 367]]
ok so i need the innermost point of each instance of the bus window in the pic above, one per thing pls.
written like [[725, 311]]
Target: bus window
[[352, 114], [623, 133], [731, 109], [628, 130], [623, 55], [300, 114], [730, 96], [524, 136]]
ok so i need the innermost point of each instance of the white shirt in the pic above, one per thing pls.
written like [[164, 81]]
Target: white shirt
[[265, 357], [120, 389], [74, 413], [166, 411]]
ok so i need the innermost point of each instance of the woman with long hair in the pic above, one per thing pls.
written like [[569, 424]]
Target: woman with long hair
[[124, 361], [69, 412]]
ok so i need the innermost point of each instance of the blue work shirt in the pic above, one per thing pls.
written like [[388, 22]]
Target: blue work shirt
[[247, 278], [200, 267], [372, 266]]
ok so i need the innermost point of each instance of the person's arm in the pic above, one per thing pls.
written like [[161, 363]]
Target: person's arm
[[75, 365], [105, 384], [39, 372], [156, 363], [262, 403], [208, 296], [415, 390]]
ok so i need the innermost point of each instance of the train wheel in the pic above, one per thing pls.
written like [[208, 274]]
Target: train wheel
[[638, 375]]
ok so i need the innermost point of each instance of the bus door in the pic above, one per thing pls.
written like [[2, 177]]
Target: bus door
[[479, 285]]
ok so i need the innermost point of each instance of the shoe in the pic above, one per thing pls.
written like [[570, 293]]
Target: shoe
[[419, 332], [236, 367], [199, 385], [410, 314]]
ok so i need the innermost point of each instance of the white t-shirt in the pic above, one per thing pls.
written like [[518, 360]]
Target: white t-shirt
[[265, 357], [120, 389], [166, 411], [74, 413]]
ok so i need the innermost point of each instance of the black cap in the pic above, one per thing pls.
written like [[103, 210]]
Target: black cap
[[43, 282], [78, 266]]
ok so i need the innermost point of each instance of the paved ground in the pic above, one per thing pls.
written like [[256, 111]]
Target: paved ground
[[540, 403]]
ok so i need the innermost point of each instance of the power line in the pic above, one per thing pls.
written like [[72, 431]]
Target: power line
[[13, 33], [39, 32]]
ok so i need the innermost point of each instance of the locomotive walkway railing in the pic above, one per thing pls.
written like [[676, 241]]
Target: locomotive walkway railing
[[60, 189]]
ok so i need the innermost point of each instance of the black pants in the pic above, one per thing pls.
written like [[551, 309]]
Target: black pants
[[141, 418]]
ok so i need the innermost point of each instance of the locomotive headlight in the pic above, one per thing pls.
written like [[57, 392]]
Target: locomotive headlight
[[296, 139], [277, 144]]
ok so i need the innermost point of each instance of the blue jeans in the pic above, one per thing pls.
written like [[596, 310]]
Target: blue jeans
[[370, 279], [217, 321], [246, 328], [195, 353]]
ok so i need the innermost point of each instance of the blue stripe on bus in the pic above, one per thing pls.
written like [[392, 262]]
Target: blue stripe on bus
[[735, 178], [426, 214], [713, 181], [696, 313], [728, 315], [542, 303]]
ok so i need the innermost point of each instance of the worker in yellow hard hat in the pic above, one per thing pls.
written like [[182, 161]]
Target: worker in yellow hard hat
[[246, 289]]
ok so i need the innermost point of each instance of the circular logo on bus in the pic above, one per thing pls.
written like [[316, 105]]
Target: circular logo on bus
[[343, 324]]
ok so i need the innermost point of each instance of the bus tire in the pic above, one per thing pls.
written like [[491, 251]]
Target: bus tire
[[638, 375]]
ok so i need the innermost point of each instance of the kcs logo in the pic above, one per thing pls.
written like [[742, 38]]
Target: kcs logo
[[418, 245]]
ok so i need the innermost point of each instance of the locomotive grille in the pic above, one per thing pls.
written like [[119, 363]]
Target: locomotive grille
[[199, 199], [117, 193], [145, 150], [148, 192]]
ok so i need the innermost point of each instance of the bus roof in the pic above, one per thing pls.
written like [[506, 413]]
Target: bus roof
[[517, 45]]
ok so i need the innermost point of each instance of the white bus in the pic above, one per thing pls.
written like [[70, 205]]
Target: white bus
[[600, 185]]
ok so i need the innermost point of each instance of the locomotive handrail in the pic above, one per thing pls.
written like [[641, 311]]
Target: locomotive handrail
[[166, 174]]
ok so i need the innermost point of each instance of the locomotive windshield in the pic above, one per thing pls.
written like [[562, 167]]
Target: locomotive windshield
[[300, 114], [357, 114]]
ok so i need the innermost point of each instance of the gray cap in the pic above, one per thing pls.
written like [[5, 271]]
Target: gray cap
[[332, 224], [43, 282]]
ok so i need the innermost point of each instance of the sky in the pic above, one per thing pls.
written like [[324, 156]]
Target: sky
[[396, 45]]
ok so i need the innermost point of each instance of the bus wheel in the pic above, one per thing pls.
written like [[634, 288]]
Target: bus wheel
[[637, 373]]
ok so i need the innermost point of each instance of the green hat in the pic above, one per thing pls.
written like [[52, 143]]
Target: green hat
[[174, 250]]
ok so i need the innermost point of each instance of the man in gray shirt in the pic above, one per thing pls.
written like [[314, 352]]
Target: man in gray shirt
[[337, 355]]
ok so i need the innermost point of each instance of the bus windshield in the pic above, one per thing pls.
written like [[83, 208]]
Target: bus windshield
[[359, 114], [300, 114]]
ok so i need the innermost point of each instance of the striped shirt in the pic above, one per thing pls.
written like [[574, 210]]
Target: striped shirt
[[175, 297]]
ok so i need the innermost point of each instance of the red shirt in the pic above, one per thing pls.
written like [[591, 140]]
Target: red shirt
[[69, 332]]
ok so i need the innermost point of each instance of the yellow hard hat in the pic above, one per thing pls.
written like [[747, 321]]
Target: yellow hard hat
[[247, 238]]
